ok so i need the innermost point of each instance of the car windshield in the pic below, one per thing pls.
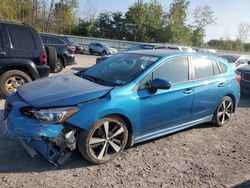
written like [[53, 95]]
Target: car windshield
[[141, 47], [119, 69], [230, 58]]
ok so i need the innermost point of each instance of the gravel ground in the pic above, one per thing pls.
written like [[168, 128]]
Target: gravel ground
[[203, 156]]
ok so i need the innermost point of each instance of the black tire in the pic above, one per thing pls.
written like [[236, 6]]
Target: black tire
[[89, 150], [59, 65], [51, 58], [104, 52], [90, 51], [224, 112], [10, 80]]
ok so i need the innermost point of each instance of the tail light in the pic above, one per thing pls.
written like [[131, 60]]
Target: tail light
[[43, 58], [238, 78], [71, 48]]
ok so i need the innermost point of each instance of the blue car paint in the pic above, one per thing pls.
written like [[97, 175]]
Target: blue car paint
[[150, 115], [63, 90], [23, 127]]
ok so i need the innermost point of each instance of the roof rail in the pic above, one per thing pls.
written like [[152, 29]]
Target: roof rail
[[47, 33], [12, 21]]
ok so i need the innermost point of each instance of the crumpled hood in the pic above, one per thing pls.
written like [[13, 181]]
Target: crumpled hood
[[64, 90]]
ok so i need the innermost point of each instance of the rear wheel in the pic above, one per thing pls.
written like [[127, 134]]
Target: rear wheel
[[224, 111], [104, 141], [11, 80], [59, 65]]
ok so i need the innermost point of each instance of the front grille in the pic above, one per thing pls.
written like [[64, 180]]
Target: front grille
[[7, 110], [246, 77]]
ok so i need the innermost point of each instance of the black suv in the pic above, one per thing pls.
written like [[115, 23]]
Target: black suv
[[65, 50], [244, 72], [22, 56]]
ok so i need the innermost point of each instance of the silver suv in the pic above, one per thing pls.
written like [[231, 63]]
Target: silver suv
[[101, 49]]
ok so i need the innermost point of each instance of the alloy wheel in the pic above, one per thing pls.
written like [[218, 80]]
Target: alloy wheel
[[58, 66], [225, 111], [107, 140], [13, 83]]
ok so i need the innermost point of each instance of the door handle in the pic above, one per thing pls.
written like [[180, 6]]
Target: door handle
[[2, 53], [188, 91], [222, 84]]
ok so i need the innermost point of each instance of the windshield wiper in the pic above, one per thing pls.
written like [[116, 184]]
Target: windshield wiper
[[98, 80]]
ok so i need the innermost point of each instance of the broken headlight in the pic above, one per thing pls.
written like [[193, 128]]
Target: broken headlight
[[52, 115]]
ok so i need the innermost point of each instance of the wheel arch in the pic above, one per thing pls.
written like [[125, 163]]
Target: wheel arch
[[20, 68], [128, 125], [234, 101]]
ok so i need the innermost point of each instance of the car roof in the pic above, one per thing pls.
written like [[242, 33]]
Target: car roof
[[49, 34], [164, 53], [11, 22], [159, 53]]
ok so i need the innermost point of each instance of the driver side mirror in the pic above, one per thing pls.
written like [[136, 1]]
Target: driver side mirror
[[158, 84]]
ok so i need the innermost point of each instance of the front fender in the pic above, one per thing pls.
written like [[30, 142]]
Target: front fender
[[15, 63], [91, 112]]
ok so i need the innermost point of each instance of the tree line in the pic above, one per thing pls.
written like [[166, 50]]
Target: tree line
[[44, 15], [144, 22], [148, 22]]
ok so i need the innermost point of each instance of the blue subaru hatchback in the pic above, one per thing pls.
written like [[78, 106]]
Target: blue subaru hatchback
[[129, 98]]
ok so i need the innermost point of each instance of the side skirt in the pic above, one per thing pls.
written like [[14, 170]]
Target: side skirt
[[172, 129]]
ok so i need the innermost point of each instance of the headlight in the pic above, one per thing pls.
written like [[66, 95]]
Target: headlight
[[53, 115]]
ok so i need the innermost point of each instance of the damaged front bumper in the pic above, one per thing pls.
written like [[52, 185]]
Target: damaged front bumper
[[53, 141], [57, 151]]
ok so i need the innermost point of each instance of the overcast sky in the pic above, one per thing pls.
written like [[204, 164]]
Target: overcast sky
[[229, 13]]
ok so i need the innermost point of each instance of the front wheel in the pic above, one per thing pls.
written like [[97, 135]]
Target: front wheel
[[90, 51], [223, 112], [105, 141]]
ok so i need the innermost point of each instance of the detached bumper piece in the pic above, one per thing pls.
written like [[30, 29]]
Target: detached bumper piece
[[57, 150]]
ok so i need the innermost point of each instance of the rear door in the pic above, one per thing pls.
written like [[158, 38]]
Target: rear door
[[208, 86], [22, 42], [99, 48]]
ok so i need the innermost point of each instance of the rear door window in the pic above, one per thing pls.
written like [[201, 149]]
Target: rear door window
[[223, 67], [45, 39], [21, 38], [55, 40], [203, 68]]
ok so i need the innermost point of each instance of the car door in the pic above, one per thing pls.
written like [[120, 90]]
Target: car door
[[166, 108], [98, 48], [208, 86]]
